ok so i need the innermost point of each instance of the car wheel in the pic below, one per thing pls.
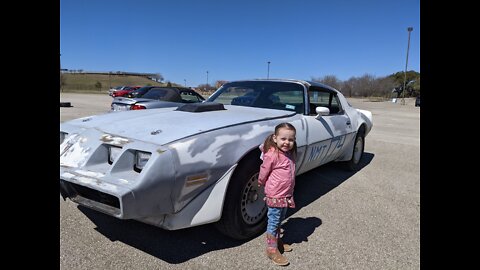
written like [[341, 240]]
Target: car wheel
[[244, 211], [354, 163]]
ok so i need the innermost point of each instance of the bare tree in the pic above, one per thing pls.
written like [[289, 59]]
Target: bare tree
[[158, 77], [349, 87], [364, 85], [384, 87], [330, 80], [98, 86]]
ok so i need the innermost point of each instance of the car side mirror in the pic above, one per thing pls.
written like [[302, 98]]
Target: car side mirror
[[321, 111]]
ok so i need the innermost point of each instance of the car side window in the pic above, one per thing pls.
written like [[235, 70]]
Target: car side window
[[324, 98], [188, 97], [335, 106], [288, 100]]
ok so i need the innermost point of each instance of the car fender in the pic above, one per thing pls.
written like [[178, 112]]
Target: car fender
[[360, 118], [205, 208], [366, 118]]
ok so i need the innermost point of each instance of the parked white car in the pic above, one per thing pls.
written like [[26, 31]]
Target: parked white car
[[181, 167]]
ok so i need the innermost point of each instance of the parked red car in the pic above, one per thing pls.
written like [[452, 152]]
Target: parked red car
[[125, 91]]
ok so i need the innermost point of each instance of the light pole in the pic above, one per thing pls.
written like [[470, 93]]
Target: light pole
[[268, 70], [185, 81], [207, 81], [409, 29]]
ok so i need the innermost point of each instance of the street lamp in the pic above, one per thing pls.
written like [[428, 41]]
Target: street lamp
[[409, 29], [207, 81], [268, 69], [185, 81]]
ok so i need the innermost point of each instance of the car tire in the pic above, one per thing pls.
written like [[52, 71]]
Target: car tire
[[358, 149], [244, 211]]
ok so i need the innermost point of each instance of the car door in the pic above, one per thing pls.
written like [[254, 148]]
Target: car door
[[327, 134]]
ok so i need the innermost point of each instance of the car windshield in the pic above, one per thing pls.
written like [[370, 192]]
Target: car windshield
[[261, 94]]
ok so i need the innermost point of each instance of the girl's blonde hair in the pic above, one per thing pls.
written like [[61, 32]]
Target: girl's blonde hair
[[269, 143]]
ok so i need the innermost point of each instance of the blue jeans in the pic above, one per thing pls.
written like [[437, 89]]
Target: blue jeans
[[275, 217]]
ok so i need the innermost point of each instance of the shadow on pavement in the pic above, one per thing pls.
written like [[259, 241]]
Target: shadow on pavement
[[299, 229], [170, 246], [182, 245], [315, 183]]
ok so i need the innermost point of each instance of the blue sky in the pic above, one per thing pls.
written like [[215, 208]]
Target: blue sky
[[234, 39]]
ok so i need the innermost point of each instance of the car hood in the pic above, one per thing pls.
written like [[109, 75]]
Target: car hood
[[161, 126]]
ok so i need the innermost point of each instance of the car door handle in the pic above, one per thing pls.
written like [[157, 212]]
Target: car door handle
[[348, 123]]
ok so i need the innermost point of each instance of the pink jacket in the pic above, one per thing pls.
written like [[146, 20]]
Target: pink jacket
[[277, 173]]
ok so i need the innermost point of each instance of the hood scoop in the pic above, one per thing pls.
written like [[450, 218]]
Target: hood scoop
[[201, 107]]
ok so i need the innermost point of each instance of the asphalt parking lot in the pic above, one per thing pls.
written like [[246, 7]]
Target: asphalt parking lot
[[366, 220]]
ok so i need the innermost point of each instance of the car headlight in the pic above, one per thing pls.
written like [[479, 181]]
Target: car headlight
[[113, 153], [141, 159], [62, 136]]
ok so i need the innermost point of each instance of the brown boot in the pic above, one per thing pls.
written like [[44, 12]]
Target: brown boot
[[273, 253], [282, 247]]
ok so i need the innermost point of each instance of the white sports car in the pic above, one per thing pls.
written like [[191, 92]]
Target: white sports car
[[181, 167]]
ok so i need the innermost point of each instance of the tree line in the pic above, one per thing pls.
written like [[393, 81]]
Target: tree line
[[371, 86]]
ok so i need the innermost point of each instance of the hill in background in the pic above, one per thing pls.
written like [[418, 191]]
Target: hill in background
[[100, 83]]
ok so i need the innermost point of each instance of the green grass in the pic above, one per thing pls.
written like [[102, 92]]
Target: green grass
[[99, 83]]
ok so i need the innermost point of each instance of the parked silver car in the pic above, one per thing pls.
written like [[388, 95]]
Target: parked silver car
[[181, 167], [157, 97]]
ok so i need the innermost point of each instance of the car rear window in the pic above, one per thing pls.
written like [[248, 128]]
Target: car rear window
[[165, 94]]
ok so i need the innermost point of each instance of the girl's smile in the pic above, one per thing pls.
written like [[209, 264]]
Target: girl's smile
[[285, 139]]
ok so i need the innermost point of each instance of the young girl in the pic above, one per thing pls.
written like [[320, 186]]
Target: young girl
[[277, 174]]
